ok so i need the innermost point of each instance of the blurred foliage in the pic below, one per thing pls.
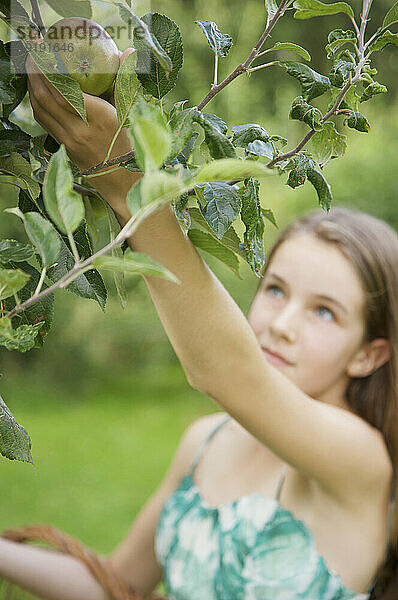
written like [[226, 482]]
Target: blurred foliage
[[87, 346]]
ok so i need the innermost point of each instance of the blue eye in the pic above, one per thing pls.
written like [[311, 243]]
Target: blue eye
[[273, 287], [328, 310]]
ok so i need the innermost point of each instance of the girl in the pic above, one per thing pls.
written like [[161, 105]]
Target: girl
[[286, 494]]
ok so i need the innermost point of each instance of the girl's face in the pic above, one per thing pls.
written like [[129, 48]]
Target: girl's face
[[317, 336]]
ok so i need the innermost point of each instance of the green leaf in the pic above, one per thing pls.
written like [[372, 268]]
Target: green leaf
[[292, 47], [328, 143], [303, 168], [313, 84], [13, 140], [43, 235], [72, 8], [391, 17], [127, 89], [137, 263], [183, 156], [306, 9], [14, 9], [15, 251], [7, 92], [181, 124], [259, 148], [21, 339], [230, 238], [300, 164], [11, 281], [159, 187], [154, 79], [371, 90], [217, 142], [90, 284], [343, 67], [151, 135], [220, 43], [182, 213], [15, 443], [357, 121], [204, 241], [337, 38], [55, 71], [117, 252], [144, 38], [302, 111], [322, 188], [222, 205], [350, 100], [19, 86], [40, 312], [244, 134], [134, 197], [215, 121], [271, 7], [20, 167], [384, 40], [230, 168], [63, 204], [252, 218]]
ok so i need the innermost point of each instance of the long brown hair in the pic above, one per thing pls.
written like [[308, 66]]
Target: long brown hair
[[371, 246]]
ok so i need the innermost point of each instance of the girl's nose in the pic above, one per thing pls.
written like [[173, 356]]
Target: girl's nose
[[285, 323]]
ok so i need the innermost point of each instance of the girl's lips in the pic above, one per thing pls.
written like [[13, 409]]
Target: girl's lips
[[274, 358]]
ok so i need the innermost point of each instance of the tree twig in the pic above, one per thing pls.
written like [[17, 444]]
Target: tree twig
[[358, 70], [215, 89], [37, 17], [243, 67], [109, 163], [84, 266]]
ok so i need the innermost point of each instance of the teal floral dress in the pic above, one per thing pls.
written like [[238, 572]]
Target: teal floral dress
[[249, 549]]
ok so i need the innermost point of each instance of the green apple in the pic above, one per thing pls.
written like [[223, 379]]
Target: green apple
[[88, 52]]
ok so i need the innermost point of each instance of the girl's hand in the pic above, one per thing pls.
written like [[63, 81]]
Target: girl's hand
[[86, 146]]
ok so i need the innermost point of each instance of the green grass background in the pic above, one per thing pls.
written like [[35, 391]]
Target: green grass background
[[99, 457]]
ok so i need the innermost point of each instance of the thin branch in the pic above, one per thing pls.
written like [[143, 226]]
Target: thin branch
[[309, 135], [216, 89], [80, 268], [215, 70], [355, 26], [361, 37], [264, 66], [109, 163], [243, 67], [37, 17], [85, 191], [40, 284], [74, 249]]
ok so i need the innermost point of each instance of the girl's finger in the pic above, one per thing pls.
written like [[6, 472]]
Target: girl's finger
[[49, 122], [39, 81]]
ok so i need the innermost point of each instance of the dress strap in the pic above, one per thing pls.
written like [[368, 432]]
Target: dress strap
[[201, 449]]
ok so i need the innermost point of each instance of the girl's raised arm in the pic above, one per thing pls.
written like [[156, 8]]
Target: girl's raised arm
[[222, 357], [212, 338]]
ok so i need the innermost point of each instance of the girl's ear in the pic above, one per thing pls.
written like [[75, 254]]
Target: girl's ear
[[375, 354]]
